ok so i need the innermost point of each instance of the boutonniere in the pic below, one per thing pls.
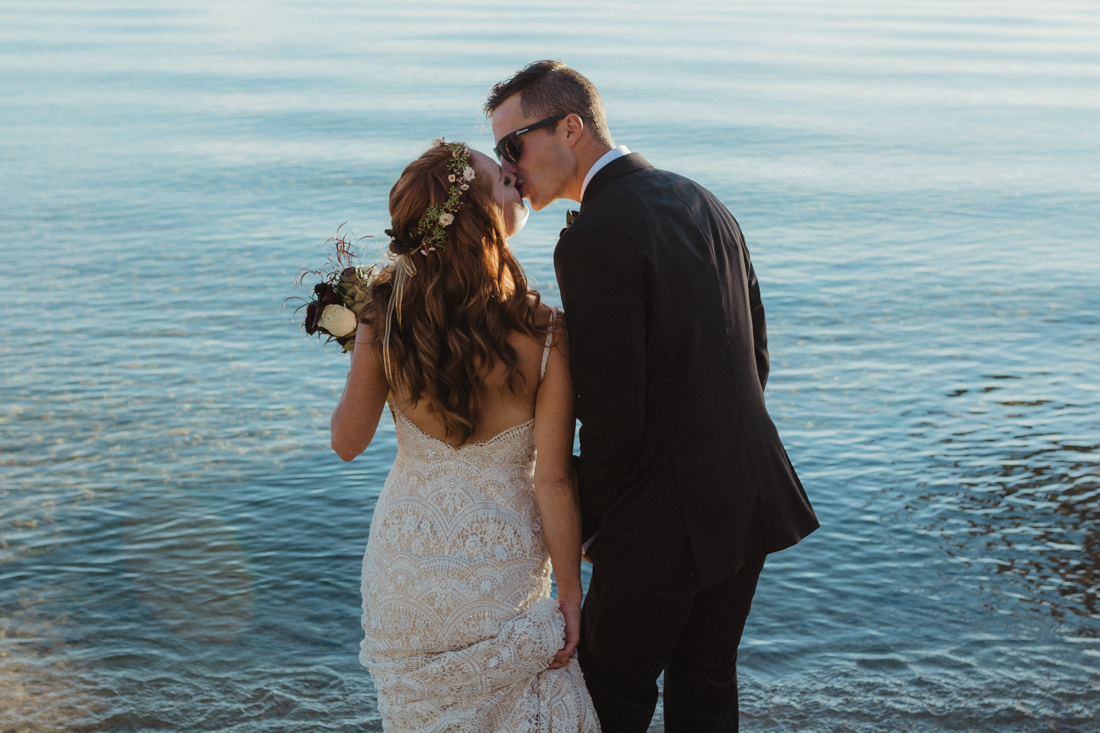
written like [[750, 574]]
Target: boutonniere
[[570, 217]]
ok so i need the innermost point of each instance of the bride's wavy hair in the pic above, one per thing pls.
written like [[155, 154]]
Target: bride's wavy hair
[[450, 322]]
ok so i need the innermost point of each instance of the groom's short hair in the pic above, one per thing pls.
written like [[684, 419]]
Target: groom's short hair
[[548, 88]]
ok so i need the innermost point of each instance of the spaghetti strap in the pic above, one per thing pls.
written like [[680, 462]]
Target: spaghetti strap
[[549, 340]]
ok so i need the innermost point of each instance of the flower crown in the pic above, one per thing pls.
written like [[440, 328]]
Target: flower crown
[[430, 233]]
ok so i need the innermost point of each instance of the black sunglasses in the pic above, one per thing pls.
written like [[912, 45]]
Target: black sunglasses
[[508, 149]]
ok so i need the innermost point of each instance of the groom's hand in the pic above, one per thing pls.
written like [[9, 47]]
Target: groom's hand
[[571, 610]]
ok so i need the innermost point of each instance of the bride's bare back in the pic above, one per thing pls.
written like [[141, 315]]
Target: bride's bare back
[[501, 408]]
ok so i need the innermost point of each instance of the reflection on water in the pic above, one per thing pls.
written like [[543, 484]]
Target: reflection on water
[[41, 689], [187, 567], [179, 548], [1015, 497]]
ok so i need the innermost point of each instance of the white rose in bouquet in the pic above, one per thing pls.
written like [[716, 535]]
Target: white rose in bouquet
[[338, 320]]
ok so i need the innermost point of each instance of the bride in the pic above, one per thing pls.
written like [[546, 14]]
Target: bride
[[460, 632]]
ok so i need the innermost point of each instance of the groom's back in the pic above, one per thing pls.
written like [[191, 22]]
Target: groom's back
[[706, 363]]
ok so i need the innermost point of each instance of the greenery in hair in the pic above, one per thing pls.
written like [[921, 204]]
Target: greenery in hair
[[432, 228]]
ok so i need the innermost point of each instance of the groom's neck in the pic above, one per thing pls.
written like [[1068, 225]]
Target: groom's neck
[[587, 152]]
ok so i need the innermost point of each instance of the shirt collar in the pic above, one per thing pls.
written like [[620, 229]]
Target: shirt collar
[[606, 158]]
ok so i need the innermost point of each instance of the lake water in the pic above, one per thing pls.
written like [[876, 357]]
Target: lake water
[[919, 185]]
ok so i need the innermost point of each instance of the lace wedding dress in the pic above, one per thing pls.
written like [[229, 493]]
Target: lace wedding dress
[[458, 621]]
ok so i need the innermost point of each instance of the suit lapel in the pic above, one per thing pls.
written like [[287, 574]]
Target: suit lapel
[[615, 169]]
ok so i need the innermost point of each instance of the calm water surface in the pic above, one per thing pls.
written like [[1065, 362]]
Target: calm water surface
[[919, 185]]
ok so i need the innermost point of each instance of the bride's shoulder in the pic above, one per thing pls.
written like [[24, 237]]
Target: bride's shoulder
[[547, 322], [547, 315], [552, 326]]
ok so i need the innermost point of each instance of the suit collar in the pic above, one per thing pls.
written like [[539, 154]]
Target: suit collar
[[615, 169], [599, 165]]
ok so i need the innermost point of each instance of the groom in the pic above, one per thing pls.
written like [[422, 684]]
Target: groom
[[684, 484]]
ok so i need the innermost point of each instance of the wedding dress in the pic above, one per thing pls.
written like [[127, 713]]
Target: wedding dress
[[458, 621]]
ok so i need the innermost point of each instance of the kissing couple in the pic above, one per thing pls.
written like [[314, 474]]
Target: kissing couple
[[682, 486]]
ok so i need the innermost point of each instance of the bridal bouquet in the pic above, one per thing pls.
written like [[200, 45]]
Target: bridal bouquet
[[342, 291]]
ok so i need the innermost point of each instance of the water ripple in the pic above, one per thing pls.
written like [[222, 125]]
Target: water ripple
[[179, 548]]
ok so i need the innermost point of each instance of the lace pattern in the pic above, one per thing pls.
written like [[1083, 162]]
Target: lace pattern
[[457, 619]]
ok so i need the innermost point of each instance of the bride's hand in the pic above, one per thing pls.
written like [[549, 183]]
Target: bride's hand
[[571, 610]]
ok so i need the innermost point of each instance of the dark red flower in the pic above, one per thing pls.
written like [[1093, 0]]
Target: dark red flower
[[323, 294]]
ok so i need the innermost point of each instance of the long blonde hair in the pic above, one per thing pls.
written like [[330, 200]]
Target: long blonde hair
[[448, 323]]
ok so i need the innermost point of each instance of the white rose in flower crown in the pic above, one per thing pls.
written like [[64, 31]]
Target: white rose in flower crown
[[446, 219], [338, 320], [437, 142], [468, 174]]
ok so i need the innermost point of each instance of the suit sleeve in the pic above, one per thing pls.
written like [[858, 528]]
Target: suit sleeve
[[759, 325], [756, 307], [606, 317]]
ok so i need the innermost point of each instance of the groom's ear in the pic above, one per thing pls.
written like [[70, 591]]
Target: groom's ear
[[574, 129]]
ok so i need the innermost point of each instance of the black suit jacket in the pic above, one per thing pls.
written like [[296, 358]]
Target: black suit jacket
[[668, 351]]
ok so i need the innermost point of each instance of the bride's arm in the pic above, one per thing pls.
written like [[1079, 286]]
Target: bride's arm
[[356, 415], [555, 490]]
